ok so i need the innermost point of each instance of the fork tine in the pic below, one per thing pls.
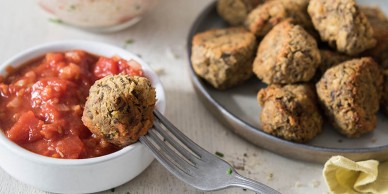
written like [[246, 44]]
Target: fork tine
[[244, 182], [183, 138], [182, 164], [191, 157], [164, 160], [207, 174]]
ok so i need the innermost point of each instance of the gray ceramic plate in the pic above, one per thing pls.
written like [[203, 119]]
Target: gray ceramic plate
[[238, 110]]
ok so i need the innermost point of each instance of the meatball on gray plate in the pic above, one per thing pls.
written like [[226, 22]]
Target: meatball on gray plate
[[223, 57], [287, 54], [342, 25], [329, 59], [350, 95], [379, 23], [236, 11], [264, 17], [290, 112]]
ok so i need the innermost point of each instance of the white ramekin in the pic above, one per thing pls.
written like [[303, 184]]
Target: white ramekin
[[77, 175]]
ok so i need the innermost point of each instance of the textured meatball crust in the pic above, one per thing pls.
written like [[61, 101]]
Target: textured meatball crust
[[287, 54], [120, 108], [290, 112], [329, 59], [223, 57], [235, 11], [379, 23], [264, 17], [350, 93], [342, 25]]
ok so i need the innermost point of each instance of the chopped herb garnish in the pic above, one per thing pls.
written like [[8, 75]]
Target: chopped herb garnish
[[128, 192], [270, 176], [128, 42], [219, 154], [56, 20], [229, 171], [112, 189]]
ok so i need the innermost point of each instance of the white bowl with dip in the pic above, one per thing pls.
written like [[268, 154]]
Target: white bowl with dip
[[77, 175], [98, 15]]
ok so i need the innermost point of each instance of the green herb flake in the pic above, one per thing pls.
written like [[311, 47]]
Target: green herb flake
[[112, 190], [55, 20], [219, 154], [128, 192], [270, 176], [128, 42], [229, 171]]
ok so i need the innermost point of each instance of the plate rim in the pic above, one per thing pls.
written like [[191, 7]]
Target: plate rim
[[282, 147]]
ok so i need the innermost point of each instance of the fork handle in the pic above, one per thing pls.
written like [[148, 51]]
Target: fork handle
[[240, 181]]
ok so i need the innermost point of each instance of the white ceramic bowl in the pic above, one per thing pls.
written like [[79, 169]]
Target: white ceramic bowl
[[98, 15], [77, 175]]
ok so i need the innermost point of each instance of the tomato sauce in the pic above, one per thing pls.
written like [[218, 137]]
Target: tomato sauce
[[42, 103]]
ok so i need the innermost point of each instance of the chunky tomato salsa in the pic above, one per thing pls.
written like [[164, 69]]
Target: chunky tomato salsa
[[42, 103]]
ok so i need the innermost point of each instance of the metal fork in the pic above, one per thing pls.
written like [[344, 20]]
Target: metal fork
[[193, 164]]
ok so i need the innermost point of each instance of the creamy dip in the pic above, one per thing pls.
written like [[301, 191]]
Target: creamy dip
[[97, 13]]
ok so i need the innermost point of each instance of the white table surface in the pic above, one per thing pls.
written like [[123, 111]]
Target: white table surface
[[22, 25]]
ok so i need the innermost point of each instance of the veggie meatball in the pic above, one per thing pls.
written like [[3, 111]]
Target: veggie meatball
[[350, 93], [290, 112], [120, 108], [329, 59], [379, 53], [264, 17], [287, 54], [379, 23], [223, 57], [342, 25], [235, 11]]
